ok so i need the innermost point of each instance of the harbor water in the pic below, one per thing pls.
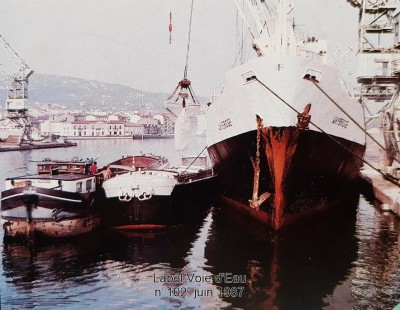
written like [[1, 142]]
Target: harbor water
[[347, 260]]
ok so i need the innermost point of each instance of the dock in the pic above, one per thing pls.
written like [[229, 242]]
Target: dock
[[383, 190], [6, 147]]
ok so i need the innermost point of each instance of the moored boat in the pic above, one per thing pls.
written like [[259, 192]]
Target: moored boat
[[58, 201], [139, 162], [153, 136], [154, 198], [282, 132]]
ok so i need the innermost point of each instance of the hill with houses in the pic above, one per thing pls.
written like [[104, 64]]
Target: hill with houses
[[79, 94]]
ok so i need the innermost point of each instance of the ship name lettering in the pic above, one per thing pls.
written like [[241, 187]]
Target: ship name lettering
[[225, 124], [340, 121]]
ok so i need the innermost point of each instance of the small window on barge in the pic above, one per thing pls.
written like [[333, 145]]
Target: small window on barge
[[88, 185], [79, 187]]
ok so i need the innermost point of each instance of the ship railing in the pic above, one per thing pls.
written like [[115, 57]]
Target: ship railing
[[383, 6], [366, 47], [375, 91], [379, 28]]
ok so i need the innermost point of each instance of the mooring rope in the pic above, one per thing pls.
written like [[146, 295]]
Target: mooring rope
[[357, 124], [194, 159], [320, 129]]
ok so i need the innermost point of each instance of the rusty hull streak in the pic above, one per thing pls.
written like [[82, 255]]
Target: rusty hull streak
[[52, 229], [280, 145]]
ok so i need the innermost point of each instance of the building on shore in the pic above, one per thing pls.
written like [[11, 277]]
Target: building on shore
[[93, 127]]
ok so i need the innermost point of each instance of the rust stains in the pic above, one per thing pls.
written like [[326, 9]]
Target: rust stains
[[257, 200], [280, 145], [51, 229], [303, 118]]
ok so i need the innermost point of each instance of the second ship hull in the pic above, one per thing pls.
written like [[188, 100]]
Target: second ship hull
[[158, 201], [160, 211]]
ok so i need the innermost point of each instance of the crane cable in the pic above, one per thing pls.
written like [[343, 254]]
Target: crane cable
[[188, 44]]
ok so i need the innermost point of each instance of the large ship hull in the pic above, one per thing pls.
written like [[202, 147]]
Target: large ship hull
[[293, 117], [30, 211], [301, 169]]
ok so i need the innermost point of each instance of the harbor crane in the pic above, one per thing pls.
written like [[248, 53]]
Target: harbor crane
[[379, 76], [17, 95]]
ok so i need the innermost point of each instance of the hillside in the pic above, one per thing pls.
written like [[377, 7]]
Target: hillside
[[84, 94]]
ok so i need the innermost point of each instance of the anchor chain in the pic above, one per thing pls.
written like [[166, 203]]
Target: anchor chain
[[256, 200], [259, 128]]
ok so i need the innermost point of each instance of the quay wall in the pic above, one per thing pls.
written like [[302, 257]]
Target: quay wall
[[383, 190]]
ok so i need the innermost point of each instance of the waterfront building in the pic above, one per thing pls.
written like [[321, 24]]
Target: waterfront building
[[98, 129], [98, 125], [48, 128]]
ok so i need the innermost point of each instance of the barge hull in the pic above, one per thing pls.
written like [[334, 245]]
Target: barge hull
[[185, 201], [29, 211], [71, 227]]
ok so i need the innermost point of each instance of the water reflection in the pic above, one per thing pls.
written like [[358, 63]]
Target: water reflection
[[348, 258], [295, 269], [116, 267], [376, 280], [20, 164], [58, 268], [169, 247]]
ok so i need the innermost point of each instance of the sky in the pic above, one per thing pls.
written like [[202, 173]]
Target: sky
[[127, 41]]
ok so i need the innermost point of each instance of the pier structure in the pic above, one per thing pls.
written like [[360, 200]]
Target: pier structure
[[379, 80]]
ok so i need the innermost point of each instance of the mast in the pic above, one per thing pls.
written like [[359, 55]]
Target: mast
[[273, 32]]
